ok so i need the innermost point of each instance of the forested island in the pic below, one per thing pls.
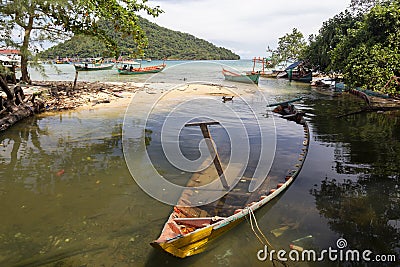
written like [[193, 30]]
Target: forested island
[[162, 43]]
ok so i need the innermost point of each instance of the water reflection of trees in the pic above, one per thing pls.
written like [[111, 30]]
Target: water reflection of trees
[[36, 155], [360, 141], [365, 210], [63, 204], [366, 213]]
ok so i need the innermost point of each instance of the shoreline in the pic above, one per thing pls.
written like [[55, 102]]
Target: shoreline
[[58, 95], [43, 97], [54, 96], [49, 97]]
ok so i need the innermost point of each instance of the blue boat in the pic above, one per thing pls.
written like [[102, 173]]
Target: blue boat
[[297, 72]]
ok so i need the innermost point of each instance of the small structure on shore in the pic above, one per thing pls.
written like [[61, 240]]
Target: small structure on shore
[[266, 63], [9, 66]]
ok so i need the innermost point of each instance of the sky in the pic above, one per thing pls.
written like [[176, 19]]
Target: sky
[[246, 27]]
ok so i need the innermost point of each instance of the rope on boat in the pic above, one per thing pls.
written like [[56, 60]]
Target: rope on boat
[[252, 218]]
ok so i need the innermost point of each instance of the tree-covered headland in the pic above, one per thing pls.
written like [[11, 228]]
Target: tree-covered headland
[[162, 43]]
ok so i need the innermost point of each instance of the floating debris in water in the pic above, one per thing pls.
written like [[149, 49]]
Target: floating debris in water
[[294, 247], [302, 238], [279, 231], [223, 259]]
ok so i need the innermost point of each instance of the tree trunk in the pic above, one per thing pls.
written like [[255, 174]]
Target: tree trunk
[[24, 51], [5, 88], [22, 111]]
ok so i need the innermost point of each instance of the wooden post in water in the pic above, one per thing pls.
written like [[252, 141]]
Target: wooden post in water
[[211, 148], [76, 77]]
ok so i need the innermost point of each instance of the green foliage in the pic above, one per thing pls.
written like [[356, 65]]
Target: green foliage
[[369, 55], [330, 34], [163, 43], [290, 46], [363, 6]]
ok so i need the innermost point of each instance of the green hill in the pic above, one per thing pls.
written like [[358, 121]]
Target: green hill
[[163, 43]]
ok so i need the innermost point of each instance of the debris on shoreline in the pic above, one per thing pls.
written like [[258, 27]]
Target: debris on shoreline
[[60, 96], [42, 96]]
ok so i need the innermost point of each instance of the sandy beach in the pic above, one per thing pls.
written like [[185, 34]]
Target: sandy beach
[[59, 96]]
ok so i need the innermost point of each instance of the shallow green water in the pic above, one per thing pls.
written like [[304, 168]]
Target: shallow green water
[[68, 199]]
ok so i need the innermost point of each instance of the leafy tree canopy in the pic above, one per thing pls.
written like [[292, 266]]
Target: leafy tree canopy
[[369, 54], [330, 34], [363, 6], [290, 46]]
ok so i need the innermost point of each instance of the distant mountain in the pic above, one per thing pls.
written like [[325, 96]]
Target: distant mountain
[[163, 43]]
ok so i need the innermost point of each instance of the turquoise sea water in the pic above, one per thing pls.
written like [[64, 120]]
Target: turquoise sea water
[[189, 70], [68, 199]]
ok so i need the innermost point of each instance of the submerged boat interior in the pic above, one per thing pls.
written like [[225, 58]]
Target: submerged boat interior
[[191, 225]]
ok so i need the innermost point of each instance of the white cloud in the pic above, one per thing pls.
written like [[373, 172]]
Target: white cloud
[[246, 27]]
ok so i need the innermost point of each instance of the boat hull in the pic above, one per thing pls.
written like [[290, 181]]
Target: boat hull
[[296, 76], [305, 79], [194, 243], [93, 68], [242, 78], [146, 70]]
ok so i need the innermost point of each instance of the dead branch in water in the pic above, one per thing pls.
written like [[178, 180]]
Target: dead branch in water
[[369, 109]]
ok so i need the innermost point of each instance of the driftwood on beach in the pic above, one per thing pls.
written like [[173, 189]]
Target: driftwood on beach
[[14, 108], [22, 102]]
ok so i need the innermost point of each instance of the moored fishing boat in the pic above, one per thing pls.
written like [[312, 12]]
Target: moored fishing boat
[[141, 70], [190, 228], [91, 66], [303, 77], [250, 77], [298, 72]]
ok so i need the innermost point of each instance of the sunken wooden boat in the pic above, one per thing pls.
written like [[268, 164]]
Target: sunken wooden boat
[[190, 228], [92, 67], [250, 77]]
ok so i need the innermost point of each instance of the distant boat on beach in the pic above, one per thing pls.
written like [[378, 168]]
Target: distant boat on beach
[[250, 77], [298, 72], [62, 61], [129, 69], [94, 64], [91, 66]]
